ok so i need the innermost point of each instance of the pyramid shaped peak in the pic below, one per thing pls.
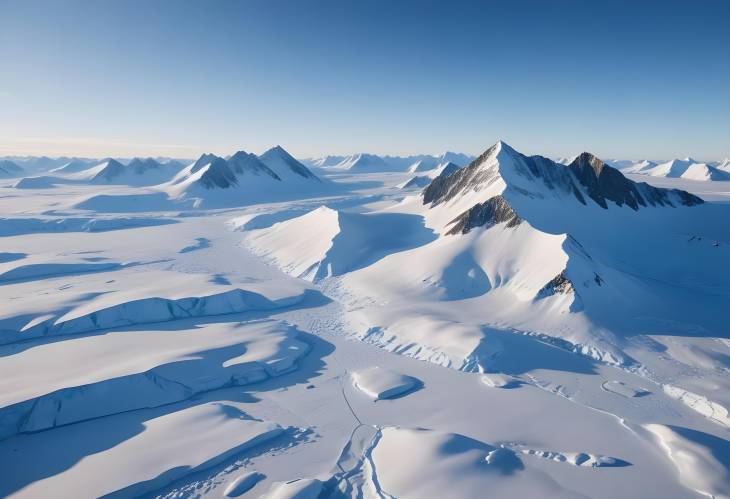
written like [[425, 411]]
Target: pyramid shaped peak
[[203, 160], [586, 160], [277, 149]]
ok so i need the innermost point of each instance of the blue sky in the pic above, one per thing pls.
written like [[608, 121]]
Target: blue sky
[[621, 79]]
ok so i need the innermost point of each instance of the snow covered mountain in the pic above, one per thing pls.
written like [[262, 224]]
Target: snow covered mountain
[[9, 169], [423, 165], [529, 240], [73, 166], [370, 163], [363, 163], [138, 172], [285, 166], [441, 170], [723, 165], [325, 161], [243, 178], [457, 158]]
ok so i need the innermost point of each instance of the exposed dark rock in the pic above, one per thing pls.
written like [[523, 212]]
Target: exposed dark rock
[[604, 183], [445, 188], [558, 284], [493, 211]]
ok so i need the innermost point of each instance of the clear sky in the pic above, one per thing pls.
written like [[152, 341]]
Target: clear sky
[[622, 79]]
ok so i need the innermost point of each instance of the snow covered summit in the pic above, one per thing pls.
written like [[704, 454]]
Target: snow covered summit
[[285, 166]]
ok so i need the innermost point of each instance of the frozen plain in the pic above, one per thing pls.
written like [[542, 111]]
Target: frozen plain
[[163, 349]]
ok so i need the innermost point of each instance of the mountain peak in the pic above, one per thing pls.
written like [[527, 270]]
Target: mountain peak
[[586, 160], [500, 167], [203, 160], [284, 164]]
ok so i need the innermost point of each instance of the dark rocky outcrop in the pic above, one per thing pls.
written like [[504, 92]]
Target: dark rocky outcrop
[[603, 183], [558, 284], [445, 188], [493, 211]]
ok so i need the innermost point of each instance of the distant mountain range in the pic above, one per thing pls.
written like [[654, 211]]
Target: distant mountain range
[[364, 162], [216, 181]]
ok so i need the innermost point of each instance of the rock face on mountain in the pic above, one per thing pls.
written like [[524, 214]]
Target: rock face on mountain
[[493, 211], [603, 183], [585, 179], [560, 284]]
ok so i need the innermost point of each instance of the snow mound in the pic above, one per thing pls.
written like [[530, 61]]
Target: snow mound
[[303, 488], [379, 383], [420, 463], [243, 484], [576, 458], [623, 389], [700, 459], [494, 380], [326, 242]]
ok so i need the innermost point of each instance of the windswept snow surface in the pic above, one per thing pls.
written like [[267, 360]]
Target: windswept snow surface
[[247, 327]]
